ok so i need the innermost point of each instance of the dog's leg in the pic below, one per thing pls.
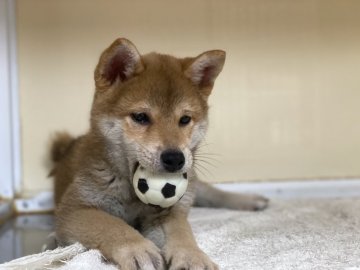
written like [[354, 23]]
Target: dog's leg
[[115, 239], [208, 196], [180, 249]]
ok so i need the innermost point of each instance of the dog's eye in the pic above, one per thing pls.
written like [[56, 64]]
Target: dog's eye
[[140, 118], [184, 120]]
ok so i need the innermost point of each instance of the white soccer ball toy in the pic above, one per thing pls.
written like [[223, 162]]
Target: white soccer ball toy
[[163, 189]]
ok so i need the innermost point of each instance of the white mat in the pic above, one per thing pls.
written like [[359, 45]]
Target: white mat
[[307, 234]]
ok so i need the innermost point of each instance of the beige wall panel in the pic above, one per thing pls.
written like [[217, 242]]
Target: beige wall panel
[[286, 105]]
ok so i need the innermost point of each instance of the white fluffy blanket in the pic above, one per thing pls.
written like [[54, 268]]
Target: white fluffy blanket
[[307, 234]]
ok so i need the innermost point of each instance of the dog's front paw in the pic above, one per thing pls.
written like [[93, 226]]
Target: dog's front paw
[[254, 202], [184, 258], [139, 255], [248, 202]]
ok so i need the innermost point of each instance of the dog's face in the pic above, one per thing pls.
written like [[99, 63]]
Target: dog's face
[[152, 109]]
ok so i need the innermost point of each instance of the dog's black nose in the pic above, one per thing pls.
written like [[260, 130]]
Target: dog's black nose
[[172, 160]]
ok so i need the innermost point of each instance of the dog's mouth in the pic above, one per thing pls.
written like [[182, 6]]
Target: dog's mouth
[[137, 164], [135, 167]]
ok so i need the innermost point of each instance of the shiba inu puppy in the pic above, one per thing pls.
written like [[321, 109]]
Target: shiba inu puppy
[[148, 110]]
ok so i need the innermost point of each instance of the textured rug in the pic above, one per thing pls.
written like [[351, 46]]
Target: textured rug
[[302, 234]]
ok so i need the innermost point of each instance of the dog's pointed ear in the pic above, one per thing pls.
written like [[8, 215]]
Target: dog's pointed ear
[[204, 69], [119, 62]]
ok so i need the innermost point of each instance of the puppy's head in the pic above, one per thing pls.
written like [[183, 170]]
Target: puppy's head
[[152, 109]]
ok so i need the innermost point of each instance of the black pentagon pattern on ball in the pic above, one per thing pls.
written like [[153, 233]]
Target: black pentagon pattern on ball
[[142, 185], [168, 190]]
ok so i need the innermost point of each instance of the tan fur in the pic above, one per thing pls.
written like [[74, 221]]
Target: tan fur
[[61, 153], [96, 203]]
